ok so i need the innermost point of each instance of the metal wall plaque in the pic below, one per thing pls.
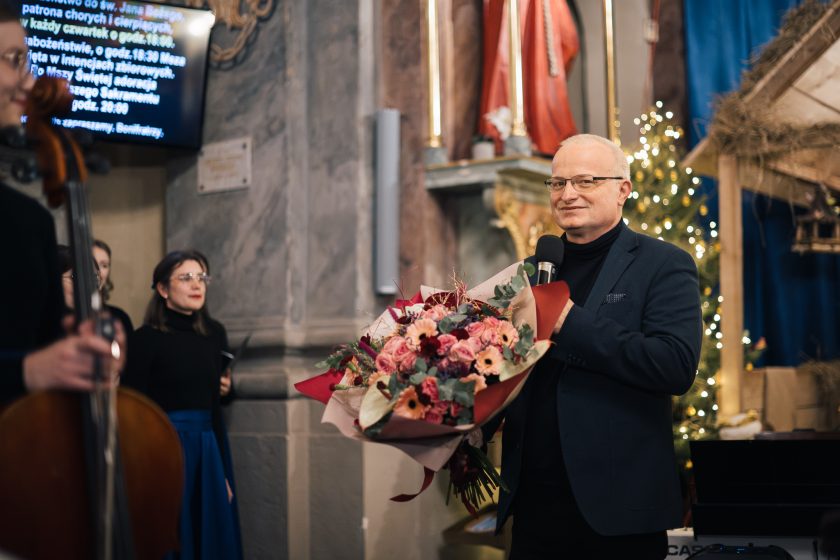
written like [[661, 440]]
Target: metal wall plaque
[[225, 166]]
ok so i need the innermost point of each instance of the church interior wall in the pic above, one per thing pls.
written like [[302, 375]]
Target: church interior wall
[[290, 255]]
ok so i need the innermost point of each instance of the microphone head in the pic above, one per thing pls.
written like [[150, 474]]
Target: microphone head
[[550, 249]]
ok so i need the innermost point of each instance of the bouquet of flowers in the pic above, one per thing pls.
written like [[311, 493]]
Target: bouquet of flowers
[[433, 369]]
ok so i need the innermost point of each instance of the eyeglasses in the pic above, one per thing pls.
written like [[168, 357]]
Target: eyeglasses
[[581, 183], [18, 60], [190, 276]]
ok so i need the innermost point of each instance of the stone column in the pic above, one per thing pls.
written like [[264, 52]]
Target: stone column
[[290, 257]]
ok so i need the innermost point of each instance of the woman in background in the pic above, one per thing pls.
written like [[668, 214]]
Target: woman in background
[[176, 359], [102, 257]]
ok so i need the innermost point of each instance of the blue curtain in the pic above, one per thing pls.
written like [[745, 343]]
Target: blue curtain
[[789, 299]]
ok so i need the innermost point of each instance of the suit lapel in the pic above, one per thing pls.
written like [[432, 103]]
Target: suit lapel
[[618, 259]]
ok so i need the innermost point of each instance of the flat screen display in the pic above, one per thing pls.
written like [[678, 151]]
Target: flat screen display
[[137, 70]]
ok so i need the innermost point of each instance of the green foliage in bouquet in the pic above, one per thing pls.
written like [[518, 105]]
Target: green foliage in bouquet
[[430, 364]]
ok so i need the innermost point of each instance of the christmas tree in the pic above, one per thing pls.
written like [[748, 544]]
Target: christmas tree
[[666, 203]]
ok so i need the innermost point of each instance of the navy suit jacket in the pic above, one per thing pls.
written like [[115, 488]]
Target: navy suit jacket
[[622, 353]]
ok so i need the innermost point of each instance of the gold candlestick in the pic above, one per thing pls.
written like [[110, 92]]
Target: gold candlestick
[[435, 126], [609, 47]]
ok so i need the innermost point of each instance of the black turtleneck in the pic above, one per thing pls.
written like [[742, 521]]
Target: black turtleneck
[[179, 368], [582, 262], [542, 459]]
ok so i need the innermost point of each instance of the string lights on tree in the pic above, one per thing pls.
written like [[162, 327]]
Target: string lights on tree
[[666, 203]]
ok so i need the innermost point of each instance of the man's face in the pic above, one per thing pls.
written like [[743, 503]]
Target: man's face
[[15, 83], [587, 216]]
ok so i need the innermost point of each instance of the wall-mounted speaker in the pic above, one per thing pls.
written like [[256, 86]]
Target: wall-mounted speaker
[[386, 261]]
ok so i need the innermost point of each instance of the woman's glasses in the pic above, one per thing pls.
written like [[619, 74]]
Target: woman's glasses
[[190, 276], [18, 60]]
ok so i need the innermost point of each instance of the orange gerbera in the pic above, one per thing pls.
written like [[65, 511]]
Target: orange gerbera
[[409, 406], [418, 330], [508, 334], [488, 361]]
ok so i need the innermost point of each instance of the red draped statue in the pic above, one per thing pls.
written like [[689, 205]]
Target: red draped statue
[[549, 45]]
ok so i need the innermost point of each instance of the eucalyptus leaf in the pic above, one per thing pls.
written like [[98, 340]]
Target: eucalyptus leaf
[[446, 390], [508, 369]]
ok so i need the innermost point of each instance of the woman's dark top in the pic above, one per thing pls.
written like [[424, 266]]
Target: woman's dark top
[[30, 286], [121, 316], [179, 369]]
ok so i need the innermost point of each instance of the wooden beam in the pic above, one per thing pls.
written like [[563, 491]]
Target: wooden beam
[[731, 287], [798, 59]]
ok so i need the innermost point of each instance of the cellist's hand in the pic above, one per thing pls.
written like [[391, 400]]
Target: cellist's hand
[[68, 363], [115, 360]]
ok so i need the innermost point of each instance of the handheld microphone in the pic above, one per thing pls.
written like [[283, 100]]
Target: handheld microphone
[[549, 255]]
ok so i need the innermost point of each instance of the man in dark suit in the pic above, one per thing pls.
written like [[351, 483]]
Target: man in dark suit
[[587, 449]]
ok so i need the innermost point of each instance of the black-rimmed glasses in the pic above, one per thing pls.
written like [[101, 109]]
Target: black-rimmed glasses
[[581, 183]]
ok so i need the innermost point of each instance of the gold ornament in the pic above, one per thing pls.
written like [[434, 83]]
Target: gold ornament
[[691, 411], [659, 174], [674, 176], [707, 291], [640, 176], [703, 210], [689, 464], [686, 201], [641, 207]]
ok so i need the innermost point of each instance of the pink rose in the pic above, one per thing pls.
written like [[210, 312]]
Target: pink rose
[[400, 349], [436, 413], [385, 362], [490, 336], [407, 361], [476, 344], [462, 351], [392, 344], [475, 329], [429, 388], [436, 313], [446, 343]]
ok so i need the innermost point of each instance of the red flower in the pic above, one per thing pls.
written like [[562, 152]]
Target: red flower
[[460, 334], [429, 346]]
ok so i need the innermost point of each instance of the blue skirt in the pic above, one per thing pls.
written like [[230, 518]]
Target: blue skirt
[[208, 526]]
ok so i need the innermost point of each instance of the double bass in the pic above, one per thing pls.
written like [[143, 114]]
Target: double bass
[[84, 475]]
